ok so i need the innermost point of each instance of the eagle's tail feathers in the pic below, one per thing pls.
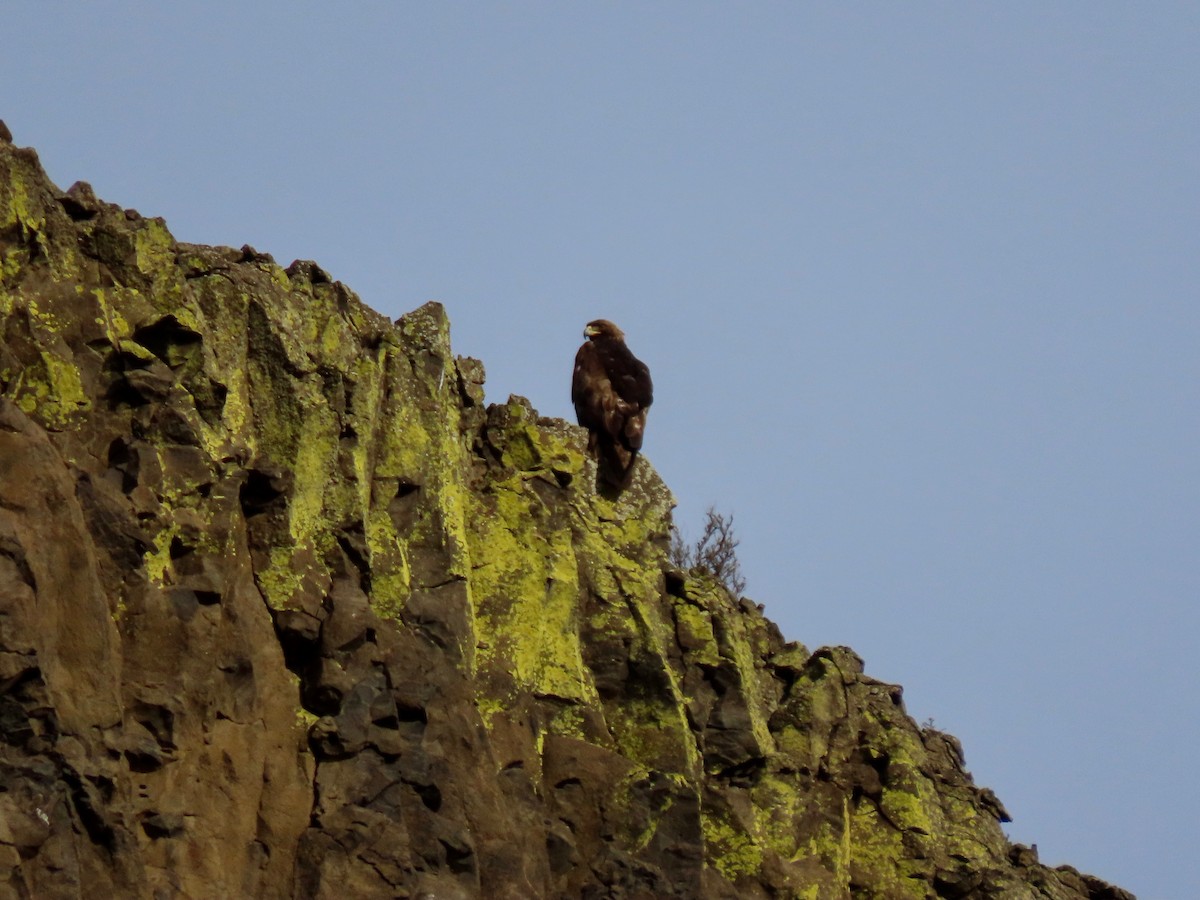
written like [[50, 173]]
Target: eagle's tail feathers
[[616, 464]]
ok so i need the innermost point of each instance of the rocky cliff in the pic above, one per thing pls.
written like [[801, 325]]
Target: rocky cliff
[[287, 611]]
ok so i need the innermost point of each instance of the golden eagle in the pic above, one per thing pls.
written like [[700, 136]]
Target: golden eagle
[[612, 391]]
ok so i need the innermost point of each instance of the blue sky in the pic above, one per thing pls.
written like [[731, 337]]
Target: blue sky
[[917, 284]]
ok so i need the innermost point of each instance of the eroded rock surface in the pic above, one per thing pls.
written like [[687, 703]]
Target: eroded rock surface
[[286, 611]]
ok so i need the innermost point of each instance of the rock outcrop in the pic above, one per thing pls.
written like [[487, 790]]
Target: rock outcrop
[[287, 611]]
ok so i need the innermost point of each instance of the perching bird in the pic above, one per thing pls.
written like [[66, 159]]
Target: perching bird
[[612, 391]]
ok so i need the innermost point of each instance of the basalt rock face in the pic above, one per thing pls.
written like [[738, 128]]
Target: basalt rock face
[[286, 611]]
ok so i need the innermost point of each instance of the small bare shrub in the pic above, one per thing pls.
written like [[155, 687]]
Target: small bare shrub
[[715, 552]]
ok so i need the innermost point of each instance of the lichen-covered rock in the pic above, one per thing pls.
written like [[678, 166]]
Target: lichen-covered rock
[[285, 611]]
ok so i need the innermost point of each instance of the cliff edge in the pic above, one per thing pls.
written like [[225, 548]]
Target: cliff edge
[[287, 611]]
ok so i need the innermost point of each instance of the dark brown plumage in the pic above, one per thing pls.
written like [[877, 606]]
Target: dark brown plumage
[[612, 391]]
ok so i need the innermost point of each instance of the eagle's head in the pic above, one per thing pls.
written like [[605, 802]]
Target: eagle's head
[[599, 328]]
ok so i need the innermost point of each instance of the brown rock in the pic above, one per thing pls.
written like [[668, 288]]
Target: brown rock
[[285, 611]]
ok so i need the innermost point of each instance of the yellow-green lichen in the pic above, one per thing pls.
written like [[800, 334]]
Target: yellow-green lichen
[[10, 265], [489, 707], [279, 580], [305, 719], [878, 857], [111, 318], [695, 628], [19, 209], [654, 732], [316, 454], [525, 589], [299, 562], [155, 249], [570, 722], [646, 796], [157, 559], [778, 803], [417, 443], [729, 849], [51, 390]]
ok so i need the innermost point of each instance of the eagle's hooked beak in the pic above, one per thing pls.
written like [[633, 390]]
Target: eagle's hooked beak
[[591, 331]]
